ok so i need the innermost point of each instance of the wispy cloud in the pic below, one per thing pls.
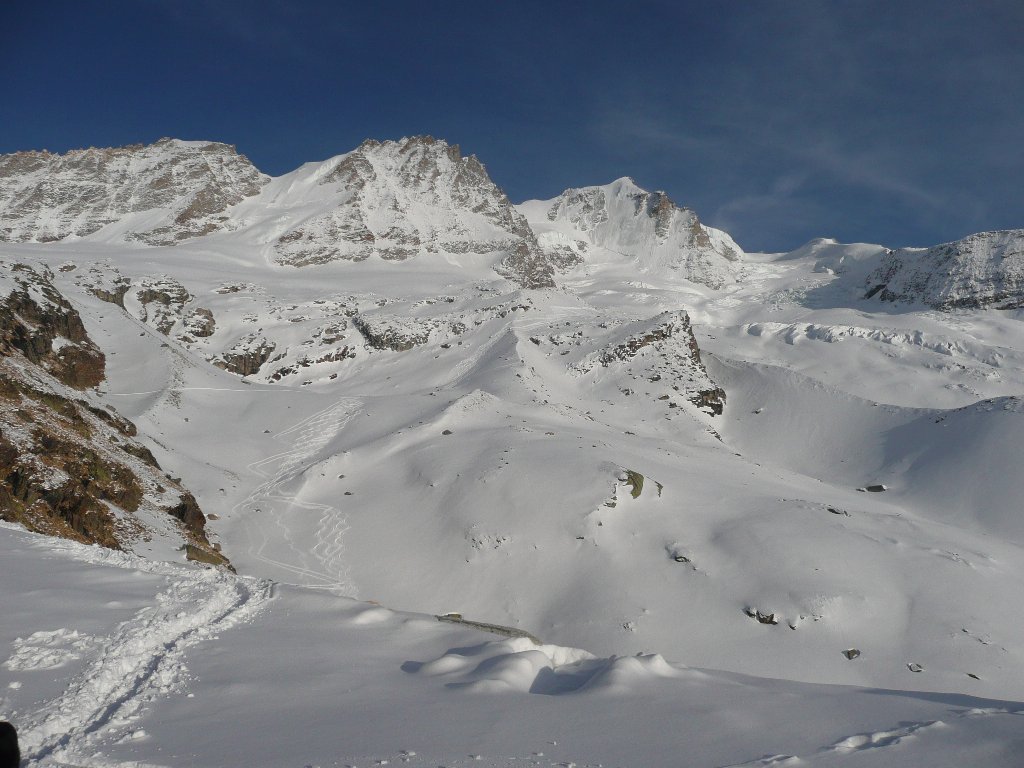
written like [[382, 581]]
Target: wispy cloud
[[631, 128]]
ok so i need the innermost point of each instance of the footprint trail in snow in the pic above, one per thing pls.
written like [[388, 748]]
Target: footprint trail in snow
[[273, 514], [140, 661]]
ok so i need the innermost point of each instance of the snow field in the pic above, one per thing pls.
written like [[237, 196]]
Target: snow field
[[192, 666]]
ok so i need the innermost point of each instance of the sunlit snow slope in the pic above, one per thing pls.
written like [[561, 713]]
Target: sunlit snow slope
[[660, 444], [111, 660]]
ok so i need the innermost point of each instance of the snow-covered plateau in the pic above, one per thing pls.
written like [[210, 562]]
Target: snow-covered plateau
[[675, 503]]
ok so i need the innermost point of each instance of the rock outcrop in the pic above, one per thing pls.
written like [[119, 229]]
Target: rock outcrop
[[69, 466], [37, 322], [161, 302], [666, 348], [247, 355]]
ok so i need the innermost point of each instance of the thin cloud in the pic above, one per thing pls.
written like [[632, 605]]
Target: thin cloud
[[631, 129]]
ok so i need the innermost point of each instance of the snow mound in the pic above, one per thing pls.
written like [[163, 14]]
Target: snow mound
[[520, 665]]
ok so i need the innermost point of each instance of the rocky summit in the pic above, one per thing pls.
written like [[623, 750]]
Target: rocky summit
[[398, 199], [645, 231], [156, 194]]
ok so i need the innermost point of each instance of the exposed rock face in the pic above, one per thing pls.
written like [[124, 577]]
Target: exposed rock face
[[69, 467], [39, 323], [247, 356], [73, 470], [162, 301], [982, 270], [200, 323], [382, 335], [400, 199], [644, 227], [46, 197], [106, 284], [660, 349]]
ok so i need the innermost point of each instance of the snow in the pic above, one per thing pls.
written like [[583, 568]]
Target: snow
[[173, 665], [429, 438]]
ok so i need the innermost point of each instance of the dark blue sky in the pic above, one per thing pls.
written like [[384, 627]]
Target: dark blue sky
[[894, 122]]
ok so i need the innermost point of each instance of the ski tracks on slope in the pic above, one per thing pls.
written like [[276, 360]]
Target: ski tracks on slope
[[269, 509], [141, 660]]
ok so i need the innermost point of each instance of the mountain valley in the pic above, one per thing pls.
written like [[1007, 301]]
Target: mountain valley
[[374, 385]]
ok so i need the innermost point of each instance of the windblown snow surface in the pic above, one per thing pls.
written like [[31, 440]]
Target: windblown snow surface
[[420, 437]]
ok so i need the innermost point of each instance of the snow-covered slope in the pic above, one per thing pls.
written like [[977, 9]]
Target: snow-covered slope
[[986, 269], [644, 230], [838, 258], [551, 459], [640, 459], [109, 660], [156, 194]]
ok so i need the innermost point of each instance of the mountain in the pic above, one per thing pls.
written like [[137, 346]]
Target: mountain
[[982, 270], [396, 200], [734, 460], [619, 222], [393, 200], [157, 194]]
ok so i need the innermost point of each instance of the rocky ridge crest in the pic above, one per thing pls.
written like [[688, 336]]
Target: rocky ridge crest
[[157, 194], [981, 270]]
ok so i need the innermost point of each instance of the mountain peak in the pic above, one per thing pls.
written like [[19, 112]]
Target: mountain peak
[[647, 228], [415, 196], [625, 184], [158, 193]]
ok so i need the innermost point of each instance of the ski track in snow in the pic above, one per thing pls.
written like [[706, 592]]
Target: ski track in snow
[[141, 660], [269, 504]]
